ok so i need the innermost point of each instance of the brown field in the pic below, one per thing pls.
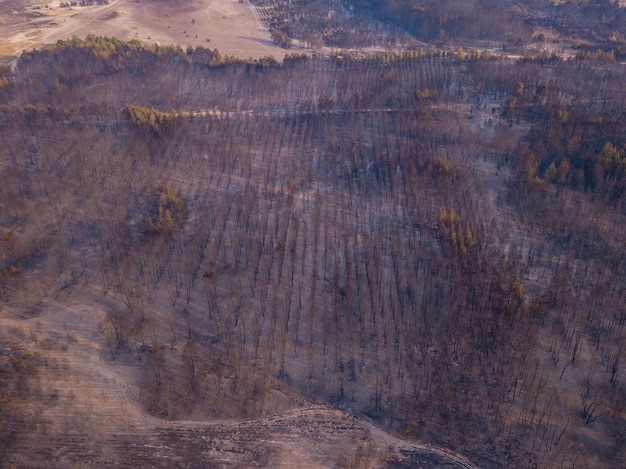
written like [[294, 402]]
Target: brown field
[[228, 25]]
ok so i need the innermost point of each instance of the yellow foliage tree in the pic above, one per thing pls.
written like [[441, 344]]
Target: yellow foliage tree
[[452, 232], [170, 211], [149, 118]]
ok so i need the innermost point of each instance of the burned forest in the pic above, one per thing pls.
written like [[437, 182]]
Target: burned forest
[[428, 243]]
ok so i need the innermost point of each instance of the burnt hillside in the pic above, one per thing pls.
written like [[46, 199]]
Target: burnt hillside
[[389, 235]]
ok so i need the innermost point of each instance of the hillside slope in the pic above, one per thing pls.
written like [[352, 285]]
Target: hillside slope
[[214, 250]]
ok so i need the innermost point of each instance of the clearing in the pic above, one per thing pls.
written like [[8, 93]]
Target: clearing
[[227, 25]]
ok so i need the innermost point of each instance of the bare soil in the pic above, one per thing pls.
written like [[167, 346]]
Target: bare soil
[[227, 25]]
